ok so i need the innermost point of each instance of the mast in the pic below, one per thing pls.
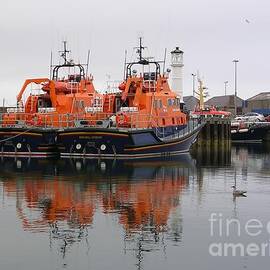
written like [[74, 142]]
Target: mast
[[64, 53], [51, 65], [164, 61], [140, 52], [142, 61], [69, 63], [202, 94], [125, 64], [87, 65], [141, 48]]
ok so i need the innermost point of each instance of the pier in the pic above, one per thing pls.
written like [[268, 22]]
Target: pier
[[216, 131]]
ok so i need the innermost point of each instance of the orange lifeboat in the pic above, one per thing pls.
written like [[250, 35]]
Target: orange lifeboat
[[60, 100]]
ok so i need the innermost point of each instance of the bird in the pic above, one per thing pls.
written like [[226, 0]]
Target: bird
[[44, 202], [238, 193], [247, 21]]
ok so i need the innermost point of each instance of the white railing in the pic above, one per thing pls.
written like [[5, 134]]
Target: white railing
[[93, 109], [46, 110], [128, 109], [15, 110], [112, 87]]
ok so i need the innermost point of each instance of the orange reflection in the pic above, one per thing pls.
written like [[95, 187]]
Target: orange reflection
[[40, 202], [145, 202]]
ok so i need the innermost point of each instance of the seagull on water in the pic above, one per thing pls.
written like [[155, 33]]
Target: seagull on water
[[238, 193]]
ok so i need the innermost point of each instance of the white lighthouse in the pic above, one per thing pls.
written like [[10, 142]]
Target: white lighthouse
[[177, 72]]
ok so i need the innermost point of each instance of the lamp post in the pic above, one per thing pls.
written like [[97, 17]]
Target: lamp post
[[225, 87], [235, 85], [193, 83]]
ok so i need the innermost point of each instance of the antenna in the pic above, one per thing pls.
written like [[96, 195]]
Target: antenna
[[88, 59], [51, 65], [164, 61], [65, 52], [140, 50], [125, 64]]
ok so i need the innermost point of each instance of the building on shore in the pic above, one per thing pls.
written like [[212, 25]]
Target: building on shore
[[190, 103], [226, 103], [259, 103]]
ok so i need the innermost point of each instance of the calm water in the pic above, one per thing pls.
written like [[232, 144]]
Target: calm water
[[83, 214]]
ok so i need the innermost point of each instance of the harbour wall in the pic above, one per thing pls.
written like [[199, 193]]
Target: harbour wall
[[216, 131]]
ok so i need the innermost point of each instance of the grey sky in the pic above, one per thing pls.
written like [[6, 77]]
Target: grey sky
[[210, 32]]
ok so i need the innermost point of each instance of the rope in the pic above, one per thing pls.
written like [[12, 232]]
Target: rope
[[17, 135]]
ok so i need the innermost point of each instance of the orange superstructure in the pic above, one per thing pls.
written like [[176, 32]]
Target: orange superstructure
[[147, 99], [61, 100]]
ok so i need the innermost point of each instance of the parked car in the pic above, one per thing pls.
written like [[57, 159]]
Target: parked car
[[252, 117], [239, 118]]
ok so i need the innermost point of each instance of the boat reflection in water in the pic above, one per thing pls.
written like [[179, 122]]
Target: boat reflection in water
[[62, 197], [104, 214]]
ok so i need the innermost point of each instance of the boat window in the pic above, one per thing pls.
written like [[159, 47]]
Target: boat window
[[155, 103], [160, 103], [80, 104], [170, 102], [163, 121], [149, 76], [40, 103], [173, 121]]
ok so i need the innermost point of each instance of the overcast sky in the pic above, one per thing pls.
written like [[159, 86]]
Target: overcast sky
[[210, 32]]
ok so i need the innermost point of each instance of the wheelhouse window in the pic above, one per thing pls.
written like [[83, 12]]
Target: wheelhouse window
[[80, 104], [158, 104]]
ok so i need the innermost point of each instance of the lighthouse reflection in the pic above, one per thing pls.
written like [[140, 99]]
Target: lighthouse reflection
[[63, 198]]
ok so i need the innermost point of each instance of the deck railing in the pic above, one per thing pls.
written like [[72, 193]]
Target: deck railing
[[192, 125], [135, 121]]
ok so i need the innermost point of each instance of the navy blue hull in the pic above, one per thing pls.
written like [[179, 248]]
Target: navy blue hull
[[110, 143], [94, 142], [32, 142]]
